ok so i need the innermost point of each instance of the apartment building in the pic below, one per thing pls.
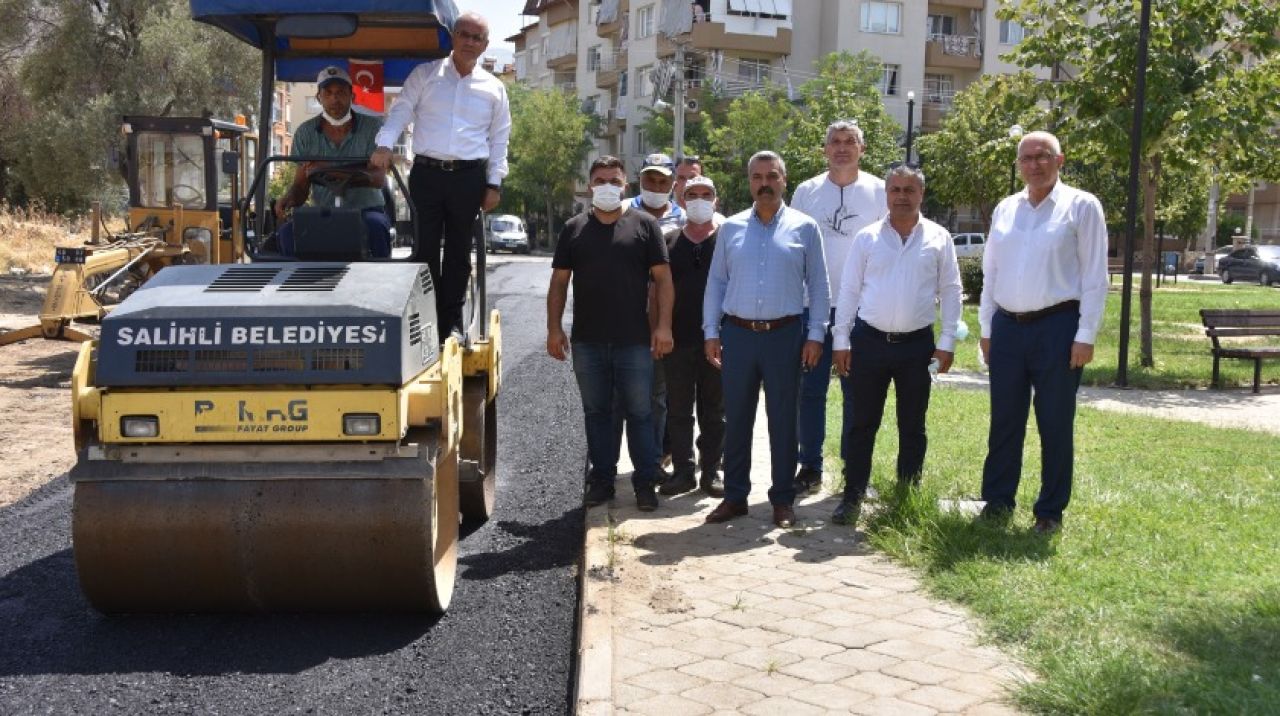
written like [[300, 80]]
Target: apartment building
[[617, 56]]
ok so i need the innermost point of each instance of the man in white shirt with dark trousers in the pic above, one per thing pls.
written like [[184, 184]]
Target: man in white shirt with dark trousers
[[461, 125], [1044, 287], [900, 274], [843, 200]]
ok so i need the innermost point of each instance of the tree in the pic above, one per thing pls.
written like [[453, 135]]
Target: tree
[[969, 159], [755, 121], [1210, 88], [847, 87], [550, 138], [83, 65]]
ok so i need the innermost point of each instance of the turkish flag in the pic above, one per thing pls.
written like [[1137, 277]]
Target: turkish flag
[[366, 83]]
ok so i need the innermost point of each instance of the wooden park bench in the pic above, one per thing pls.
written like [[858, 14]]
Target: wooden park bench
[[1231, 323]]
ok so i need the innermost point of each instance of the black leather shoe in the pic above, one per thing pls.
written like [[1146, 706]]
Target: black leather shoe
[[808, 480], [992, 512], [679, 483], [847, 513], [784, 516], [711, 483], [726, 511], [1047, 525], [598, 493], [646, 499]]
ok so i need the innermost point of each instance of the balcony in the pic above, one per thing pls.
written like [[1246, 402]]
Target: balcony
[[563, 56], [932, 114], [614, 124], [611, 17], [960, 52], [561, 12], [714, 36], [970, 4], [610, 69]]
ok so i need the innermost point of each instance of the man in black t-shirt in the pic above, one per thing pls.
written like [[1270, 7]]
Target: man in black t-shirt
[[610, 255], [691, 379]]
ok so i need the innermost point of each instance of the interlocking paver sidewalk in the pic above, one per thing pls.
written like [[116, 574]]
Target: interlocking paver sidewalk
[[682, 617]]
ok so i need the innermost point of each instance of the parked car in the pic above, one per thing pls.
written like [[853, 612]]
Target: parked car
[[1217, 259], [1251, 263], [969, 244], [506, 233]]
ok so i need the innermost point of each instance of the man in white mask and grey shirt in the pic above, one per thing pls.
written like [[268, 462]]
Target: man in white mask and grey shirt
[[843, 200]]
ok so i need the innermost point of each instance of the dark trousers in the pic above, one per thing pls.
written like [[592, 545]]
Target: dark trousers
[[447, 204], [693, 383], [1027, 356], [874, 363], [750, 359], [607, 373], [812, 425], [658, 411]]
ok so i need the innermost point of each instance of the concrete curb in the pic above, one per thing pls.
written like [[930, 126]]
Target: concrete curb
[[595, 619]]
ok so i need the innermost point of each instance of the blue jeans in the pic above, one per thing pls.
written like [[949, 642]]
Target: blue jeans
[[604, 370], [657, 409], [376, 224], [1027, 356], [812, 425], [750, 359]]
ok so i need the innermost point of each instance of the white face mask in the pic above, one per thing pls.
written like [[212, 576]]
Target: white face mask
[[606, 197], [337, 122], [654, 199], [700, 210]]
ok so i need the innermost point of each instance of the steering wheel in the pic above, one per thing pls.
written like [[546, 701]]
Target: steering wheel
[[337, 178], [188, 195]]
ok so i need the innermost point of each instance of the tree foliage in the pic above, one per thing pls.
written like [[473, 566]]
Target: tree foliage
[[969, 159], [82, 65], [847, 87], [550, 138], [754, 121], [1214, 66]]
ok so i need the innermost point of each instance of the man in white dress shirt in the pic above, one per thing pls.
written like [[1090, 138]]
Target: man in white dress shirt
[[461, 125], [900, 271], [1044, 288], [843, 200]]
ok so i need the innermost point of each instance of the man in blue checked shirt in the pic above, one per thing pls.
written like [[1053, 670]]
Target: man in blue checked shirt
[[768, 260]]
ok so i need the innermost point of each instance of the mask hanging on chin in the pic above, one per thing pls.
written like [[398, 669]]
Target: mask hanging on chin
[[606, 197], [337, 122], [654, 199]]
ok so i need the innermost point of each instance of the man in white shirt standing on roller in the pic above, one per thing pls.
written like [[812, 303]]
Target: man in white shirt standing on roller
[[900, 273], [461, 125], [1044, 287], [843, 200]]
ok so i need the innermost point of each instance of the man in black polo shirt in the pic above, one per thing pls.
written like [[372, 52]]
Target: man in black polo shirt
[[691, 379], [610, 254]]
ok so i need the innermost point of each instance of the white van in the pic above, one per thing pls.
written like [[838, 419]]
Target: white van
[[969, 245], [505, 232]]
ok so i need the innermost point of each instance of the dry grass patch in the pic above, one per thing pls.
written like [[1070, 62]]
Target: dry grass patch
[[29, 235]]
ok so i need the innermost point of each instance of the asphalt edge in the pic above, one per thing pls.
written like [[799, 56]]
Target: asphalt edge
[[594, 684]]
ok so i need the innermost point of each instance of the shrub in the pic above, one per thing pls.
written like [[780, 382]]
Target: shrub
[[971, 278]]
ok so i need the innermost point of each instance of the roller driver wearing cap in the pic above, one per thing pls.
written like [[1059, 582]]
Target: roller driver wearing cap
[[337, 132]]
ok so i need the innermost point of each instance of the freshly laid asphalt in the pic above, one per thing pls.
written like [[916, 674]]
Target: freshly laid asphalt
[[505, 646]]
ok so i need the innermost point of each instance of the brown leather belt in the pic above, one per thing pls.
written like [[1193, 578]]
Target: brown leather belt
[[761, 326], [1029, 316]]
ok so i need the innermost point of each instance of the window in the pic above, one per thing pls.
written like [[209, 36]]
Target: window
[[642, 142], [593, 58], [622, 83], [313, 105], [882, 17], [889, 80], [939, 89], [941, 25], [643, 80], [753, 70], [1010, 32], [644, 22]]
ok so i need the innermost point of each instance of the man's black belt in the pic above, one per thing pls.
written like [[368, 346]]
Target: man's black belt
[[890, 337], [761, 326], [448, 165], [1029, 316]]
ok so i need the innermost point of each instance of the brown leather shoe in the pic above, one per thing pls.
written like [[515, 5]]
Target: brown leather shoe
[[1047, 525], [784, 516], [726, 511]]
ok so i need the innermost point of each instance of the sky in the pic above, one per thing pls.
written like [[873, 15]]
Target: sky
[[504, 19]]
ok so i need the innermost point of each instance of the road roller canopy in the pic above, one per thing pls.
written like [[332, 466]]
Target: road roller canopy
[[309, 35]]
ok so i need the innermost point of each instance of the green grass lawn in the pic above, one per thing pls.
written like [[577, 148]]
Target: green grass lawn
[[1180, 348], [1162, 593]]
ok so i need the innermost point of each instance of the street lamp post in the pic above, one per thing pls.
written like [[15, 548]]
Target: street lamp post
[[911, 108], [1015, 133]]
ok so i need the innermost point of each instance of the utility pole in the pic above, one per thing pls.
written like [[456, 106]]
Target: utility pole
[[1210, 243], [678, 108], [1248, 214]]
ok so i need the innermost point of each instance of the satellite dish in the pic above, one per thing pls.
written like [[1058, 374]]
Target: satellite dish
[[691, 105]]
